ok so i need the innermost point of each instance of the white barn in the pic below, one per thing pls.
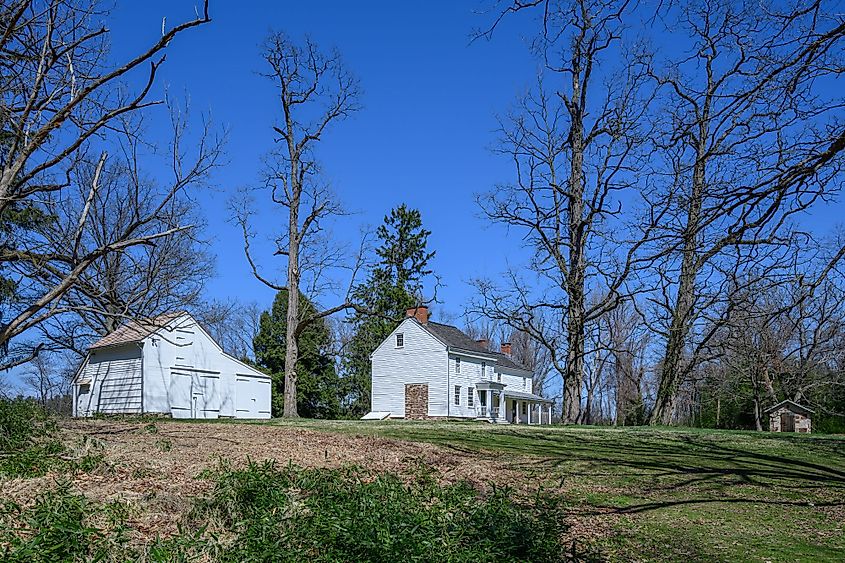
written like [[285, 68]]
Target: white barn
[[428, 370], [170, 366]]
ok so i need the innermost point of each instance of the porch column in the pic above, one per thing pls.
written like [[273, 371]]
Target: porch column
[[489, 403], [530, 408]]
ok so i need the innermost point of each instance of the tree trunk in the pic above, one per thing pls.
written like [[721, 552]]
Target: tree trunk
[[718, 410], [671, 372], [574, 377], [292, 325]]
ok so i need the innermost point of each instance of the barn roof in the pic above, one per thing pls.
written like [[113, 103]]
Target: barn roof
[[791, 405], [136, 330], [454, 337]]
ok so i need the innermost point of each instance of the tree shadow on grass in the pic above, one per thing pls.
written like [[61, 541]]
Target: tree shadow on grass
[[692, 465]]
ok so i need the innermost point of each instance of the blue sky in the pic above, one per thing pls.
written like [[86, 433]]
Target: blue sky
[[422, 138]]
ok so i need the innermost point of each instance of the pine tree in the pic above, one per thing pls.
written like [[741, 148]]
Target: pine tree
[[316, 392], [394, 284]]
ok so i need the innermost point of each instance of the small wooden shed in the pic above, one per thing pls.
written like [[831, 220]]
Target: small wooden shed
[[789, 416]]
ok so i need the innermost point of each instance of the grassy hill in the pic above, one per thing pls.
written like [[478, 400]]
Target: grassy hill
[[674, 494], [144, 489]]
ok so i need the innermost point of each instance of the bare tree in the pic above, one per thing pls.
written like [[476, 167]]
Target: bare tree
[[232, 324], [575, 148], [143, 281], [626, 345], [749, 142], [46, 379], [314, 92], [60, 103], [529, 353]]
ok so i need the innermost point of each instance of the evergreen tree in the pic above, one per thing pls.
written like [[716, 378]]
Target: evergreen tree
[[317, 378], [394, 284]]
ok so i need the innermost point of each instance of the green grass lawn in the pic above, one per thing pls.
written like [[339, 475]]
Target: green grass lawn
[[668, 494]]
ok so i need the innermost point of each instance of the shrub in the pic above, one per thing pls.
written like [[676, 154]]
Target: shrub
[[295, 514], [263, 513], [21, 421], [62, 526], [27, 439], [29, 444]]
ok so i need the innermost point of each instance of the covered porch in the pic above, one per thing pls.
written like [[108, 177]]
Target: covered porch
[[497, 405]]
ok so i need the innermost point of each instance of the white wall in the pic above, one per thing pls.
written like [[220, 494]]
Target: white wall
[[422, 359], [116, 382], [471, 374], [188, 350], [188, 347], [514, 380]]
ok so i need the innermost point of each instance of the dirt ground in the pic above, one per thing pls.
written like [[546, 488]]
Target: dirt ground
[[155, 466]]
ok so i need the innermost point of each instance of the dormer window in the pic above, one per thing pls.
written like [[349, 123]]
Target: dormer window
[[400, 340]]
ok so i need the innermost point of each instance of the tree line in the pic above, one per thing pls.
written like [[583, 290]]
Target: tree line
[[667, 166]]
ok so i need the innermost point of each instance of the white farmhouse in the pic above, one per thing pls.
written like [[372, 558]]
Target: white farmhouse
[[431, 370], [168, 365]]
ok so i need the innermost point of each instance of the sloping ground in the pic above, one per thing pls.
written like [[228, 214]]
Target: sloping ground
[[672, 494], [630, 494], [156, 467]]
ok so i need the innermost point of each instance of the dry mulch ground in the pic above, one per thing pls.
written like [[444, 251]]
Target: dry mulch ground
[[156, 467]]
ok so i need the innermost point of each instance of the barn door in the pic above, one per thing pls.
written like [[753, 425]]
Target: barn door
[[787, 422], [194, 395], [180, 395]]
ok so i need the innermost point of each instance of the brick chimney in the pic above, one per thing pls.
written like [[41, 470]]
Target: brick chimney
[[506, 348], [420, 313], [483, 342]]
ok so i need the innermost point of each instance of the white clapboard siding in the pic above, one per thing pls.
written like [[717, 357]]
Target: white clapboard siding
[[515, 381], [117, 381], [422, 359], [176, 370], [470, 376]]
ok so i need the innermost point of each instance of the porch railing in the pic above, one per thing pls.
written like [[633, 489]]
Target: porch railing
[[483, 411]]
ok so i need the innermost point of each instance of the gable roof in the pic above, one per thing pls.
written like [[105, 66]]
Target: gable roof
[[454, 337], [791, 405], [136, 330]]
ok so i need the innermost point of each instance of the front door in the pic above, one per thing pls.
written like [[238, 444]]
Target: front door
[[787, 422]]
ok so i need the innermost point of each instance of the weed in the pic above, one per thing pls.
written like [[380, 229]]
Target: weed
[[62, 526], [28, 446], [293, 514]]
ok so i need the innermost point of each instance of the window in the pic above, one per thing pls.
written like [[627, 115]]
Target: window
[[524, 408], [400, 340], [483, 370], [457, 394], [470, 397], [499, 377], [457, 365]]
